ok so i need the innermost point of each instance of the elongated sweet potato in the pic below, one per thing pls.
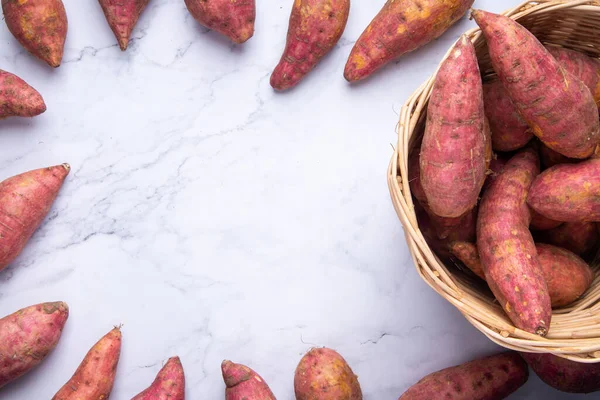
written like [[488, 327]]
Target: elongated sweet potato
[[122, 15], [587, 69], [168, 385], [557, 106], [17, 98], [232, 18], [490, 378], [25, 200], [243, 383], [541, 223], [568, 192], [506, 247], [40, 26], [95, 376], [28, 336], [567, 275], [453, 153], [401, 27], [315, 27], [579, 237], [324, 374], [509, 130], [565, 375]]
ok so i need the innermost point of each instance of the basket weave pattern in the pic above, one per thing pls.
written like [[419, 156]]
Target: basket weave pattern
[[575, 331]]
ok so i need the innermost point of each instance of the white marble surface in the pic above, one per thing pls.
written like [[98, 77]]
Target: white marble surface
[[217, 219]]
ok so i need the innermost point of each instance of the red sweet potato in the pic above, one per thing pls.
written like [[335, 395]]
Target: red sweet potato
[[578, 237], [25, 200], [557, 106], [17, 98], [232, 18], [550, 158], [567, 276], [490, 378], [506, 247], [541, 223], [243, 383], [509, 130], [568, 192], [453, 153], [401, 27], [168, 385], [565, 375], [315, 27], [95, 376], [587, 69], [122, 15], [324, 374], [28, 336], [39, 25]]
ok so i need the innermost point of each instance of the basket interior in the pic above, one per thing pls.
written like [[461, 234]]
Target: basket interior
[[575, 330]]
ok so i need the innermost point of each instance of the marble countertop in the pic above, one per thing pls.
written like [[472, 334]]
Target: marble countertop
[[215, 218]]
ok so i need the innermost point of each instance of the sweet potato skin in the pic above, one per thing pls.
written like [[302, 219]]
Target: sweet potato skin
[[568, 192], [324, 374], [17, 98], [232, 18], [453, 152], [506, 247], [490, 378], [40, 26], [168, 385], [541, 223], [315, 28], [401, 27], [579, 237], [25, 200], [122, 15], [550, 158], [95, 375], [467, 253], [28, 336], [509, 131], [566, 274], [243, 383], [557, 106], [587, 69], [564, 375]]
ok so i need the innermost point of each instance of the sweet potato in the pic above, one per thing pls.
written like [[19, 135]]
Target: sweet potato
[[490, 378], [587, 69], [25, 200], [568, 192], [243, 383], [564, 375], [232, 18], [28, 336], [541, 223], [557, 106], [122, 15], [401, 27], [453, 152], [579, 237], [40, 26], [95, 376], [168, 385], [17, 98], [324, 374], [467, 253], [550, 158], [509, 130], [315, 27], [567, 276], [506, 247]]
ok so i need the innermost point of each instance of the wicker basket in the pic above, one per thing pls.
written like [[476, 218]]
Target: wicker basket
[[575, 331]]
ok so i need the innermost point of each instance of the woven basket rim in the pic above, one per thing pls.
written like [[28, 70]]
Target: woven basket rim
[[582, 345]]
